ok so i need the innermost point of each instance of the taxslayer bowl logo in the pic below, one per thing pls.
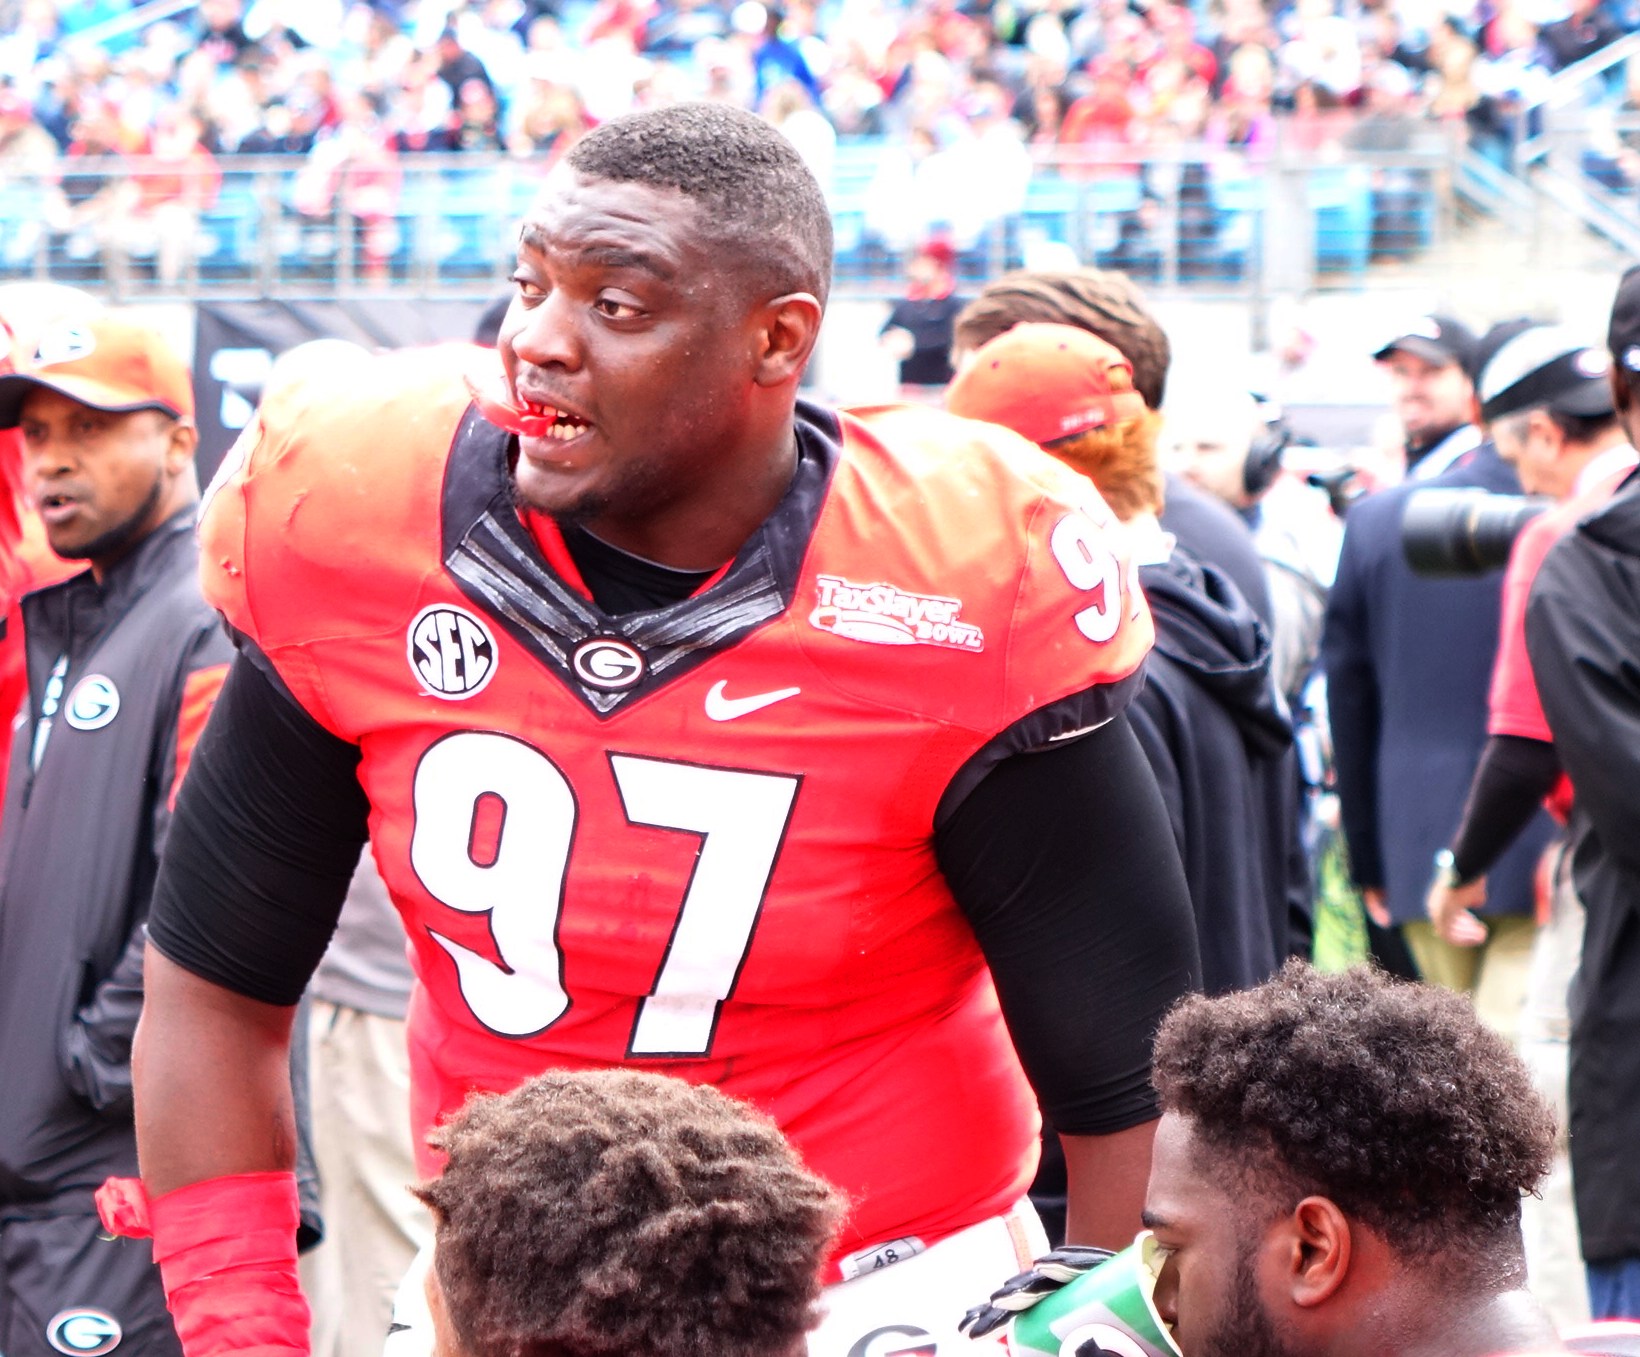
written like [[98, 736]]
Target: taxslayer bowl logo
[[895, 1340], [94, 702], [84, 1332], [451, 652], [607, 663], [886, 616]]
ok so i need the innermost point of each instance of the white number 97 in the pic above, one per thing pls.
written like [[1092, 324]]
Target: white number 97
[[1078, 544]]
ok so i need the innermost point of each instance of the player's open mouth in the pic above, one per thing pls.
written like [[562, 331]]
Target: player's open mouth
[[54, 508], [562, 428]]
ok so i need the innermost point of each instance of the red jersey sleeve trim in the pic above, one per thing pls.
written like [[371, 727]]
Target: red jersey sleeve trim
[[199, 692]]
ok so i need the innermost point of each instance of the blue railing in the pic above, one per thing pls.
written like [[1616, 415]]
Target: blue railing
[[445, 225]]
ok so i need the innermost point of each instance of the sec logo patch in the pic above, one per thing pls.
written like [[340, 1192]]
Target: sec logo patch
[[451, 652], [83, 1332], [94, 702]]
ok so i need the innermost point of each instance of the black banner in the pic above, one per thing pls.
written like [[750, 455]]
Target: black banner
[[235, 344]]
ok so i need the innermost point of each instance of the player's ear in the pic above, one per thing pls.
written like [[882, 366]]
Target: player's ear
[[183, 439], [1320, 1247], [789, 329]]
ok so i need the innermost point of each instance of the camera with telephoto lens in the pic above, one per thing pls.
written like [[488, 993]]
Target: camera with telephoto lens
[[1464, 531]]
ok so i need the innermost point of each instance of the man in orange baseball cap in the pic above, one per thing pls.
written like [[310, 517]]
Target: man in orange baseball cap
[[1209, 718], [124, 660], [106, 409]]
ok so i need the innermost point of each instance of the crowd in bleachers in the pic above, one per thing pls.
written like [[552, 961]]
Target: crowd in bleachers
[[529, 76], [953, 93]]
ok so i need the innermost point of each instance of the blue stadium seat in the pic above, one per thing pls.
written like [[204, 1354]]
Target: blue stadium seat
[[1341, 197]]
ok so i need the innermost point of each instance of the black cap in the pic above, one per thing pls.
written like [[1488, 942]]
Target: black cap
[[1436, 339], [1494, 339], [1623, 334], [1546, 367]]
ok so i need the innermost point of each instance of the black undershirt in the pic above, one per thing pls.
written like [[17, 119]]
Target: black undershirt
[[1514, 775], [1063, 862]]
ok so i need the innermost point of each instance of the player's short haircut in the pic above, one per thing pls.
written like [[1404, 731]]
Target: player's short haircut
[[610, 1213], [757, 197], [1100, 300], [1387, 1097], [1120, 460]]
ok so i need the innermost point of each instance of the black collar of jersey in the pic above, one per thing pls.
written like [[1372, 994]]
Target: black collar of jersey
[[610, 662]]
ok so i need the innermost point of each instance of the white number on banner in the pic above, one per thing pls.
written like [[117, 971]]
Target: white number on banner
[[740, 817], [1079, 547]]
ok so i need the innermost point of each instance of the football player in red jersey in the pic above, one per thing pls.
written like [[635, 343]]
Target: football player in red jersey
[[695, 728]]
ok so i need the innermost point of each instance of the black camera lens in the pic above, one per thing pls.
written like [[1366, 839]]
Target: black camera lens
[[1463, 532]]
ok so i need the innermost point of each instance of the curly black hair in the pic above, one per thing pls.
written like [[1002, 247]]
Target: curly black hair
[[1102, 301], [759, 200], [1388, 1097], [612, 1212]]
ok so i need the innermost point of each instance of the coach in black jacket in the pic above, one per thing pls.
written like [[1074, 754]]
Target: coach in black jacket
[[124, 660], [1408, 661]]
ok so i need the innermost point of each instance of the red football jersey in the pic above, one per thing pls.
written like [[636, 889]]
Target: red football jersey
[[699, 839]]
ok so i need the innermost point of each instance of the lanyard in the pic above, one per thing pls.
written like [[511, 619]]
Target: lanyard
[[48, 709]]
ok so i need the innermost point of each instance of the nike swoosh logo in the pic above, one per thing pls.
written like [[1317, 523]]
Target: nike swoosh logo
[[721, 708]]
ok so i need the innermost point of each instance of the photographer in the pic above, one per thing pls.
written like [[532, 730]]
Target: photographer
[[1546, 400], [1583, 633]]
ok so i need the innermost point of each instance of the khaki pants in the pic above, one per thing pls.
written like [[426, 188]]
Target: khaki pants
[[360, 1073], [1493, 974]]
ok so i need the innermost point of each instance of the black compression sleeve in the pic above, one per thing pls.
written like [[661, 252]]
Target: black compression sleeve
[[268, 827], [1514, 775], [1067, 869]]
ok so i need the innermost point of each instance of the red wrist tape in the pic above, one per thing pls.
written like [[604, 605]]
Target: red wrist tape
[[226, 1250]]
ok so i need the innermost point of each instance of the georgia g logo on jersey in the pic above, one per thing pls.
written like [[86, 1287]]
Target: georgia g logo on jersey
[[84, 1332], [451, 652], [93, 704]]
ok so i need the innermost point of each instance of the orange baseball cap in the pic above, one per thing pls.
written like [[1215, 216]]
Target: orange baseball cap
[[1046, 382], [105, 361]]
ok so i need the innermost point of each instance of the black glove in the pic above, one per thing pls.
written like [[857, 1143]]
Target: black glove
[[1020, 1292]]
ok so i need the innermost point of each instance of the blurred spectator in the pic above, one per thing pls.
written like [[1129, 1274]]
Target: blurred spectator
[[175, 181], [1389, 120], [1510, 77], [1243, 117], [1321, 49], [218, 31], [1451, 83], [1221, 438], [422, 115], [353, 171], [382, 50], [790, 108], [26, 149], [28, 180], [456, 65], [1580, 34], [289, 128], [1099, 124], [92, 182], [478, 120], [918, 329], [31, 38], [551, 118], [775, 58]]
